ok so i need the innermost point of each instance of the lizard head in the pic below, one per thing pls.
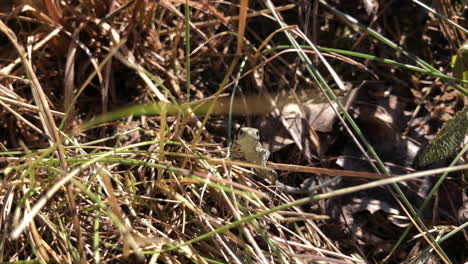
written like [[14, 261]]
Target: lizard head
[[249, 132]]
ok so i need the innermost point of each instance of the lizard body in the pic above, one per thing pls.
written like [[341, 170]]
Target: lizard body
[[247, 146]]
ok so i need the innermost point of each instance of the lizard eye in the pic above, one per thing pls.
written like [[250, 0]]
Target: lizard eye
[[242, 132]]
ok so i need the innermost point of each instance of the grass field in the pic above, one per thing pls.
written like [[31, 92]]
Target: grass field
[[117, 117]]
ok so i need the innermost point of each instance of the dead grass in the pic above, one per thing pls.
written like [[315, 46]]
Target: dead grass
[[150, 180]]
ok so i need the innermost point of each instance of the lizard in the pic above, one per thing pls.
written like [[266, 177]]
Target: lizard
[[247, 146]]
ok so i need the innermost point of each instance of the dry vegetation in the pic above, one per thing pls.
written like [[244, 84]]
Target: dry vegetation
[[150, 180]]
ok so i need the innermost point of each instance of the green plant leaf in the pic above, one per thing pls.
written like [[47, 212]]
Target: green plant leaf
[[460, 64], [448, 139]]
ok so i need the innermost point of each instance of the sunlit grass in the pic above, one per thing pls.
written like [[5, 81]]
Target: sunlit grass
[[147, 179]]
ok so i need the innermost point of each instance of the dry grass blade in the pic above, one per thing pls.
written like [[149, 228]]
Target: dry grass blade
[[39, 96], [28, 107], [127, 58], [38, 45], [244, 4], [53, 10], [70, 77], [49, 126], [31, 125]]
